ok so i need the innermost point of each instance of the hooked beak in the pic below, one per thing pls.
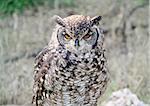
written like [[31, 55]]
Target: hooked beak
[[77, 43]]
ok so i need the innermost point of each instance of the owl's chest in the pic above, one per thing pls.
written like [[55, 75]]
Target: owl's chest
[[77, 76], [78, 70]]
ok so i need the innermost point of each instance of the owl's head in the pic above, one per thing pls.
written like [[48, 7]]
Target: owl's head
[[78, 33]]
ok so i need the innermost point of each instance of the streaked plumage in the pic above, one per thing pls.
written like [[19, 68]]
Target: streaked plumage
[[71, 70]]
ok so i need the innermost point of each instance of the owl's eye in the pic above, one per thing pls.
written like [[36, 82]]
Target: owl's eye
[[87, 36], [67, 37]]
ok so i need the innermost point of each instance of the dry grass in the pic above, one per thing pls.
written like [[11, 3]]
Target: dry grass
[[128, 62]]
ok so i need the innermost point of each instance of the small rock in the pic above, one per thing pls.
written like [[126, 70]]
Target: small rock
[[123, 97]]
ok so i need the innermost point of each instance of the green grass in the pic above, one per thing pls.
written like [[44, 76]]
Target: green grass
[[8, 7], [140, 2]]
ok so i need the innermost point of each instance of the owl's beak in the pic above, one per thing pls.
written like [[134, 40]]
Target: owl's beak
[[76, 43]]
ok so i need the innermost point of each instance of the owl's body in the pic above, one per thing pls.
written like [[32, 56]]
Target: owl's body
[[71, 75]]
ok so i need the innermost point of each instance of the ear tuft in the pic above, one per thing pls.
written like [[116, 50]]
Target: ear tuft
[[95, 20], [59, 20]]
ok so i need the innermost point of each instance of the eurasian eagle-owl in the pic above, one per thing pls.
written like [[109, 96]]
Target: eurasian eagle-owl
[[71, 70]]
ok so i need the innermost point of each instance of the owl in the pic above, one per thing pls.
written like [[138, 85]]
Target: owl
[[72, 69]]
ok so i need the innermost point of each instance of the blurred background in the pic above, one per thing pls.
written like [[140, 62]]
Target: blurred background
[[26, 26]]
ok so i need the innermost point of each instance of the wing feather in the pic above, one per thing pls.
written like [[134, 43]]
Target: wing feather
[[41, 76]]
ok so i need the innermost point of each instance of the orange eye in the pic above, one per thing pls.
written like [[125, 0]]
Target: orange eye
[[67, 36], [87, 36]]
